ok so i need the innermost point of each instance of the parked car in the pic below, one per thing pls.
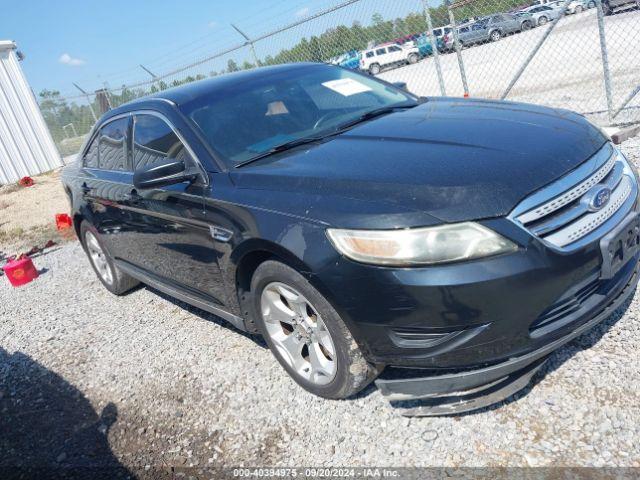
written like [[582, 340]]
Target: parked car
[[577, 6], [350, 60], [423, 44], [406, 39], [491, 28], [613, 6], [440, 32], [350, 225], [383, 56], [494, 27], [449, 40], [542, 14]]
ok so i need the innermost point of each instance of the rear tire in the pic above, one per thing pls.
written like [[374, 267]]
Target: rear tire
[[543, 20], [495, 35], [578, 9], [114, 279], [374, 69], [306, 334], [592, 4]]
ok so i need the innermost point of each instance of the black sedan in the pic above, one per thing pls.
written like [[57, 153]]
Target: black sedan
[[356, 226]]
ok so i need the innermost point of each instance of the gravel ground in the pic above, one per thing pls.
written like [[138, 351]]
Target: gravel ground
[[27, 214], [142, 381]]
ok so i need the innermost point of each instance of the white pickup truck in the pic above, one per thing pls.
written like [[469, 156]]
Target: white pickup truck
[[382, 56]]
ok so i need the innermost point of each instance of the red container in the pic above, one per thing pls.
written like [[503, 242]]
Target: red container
[[20, 271], [63, 221]]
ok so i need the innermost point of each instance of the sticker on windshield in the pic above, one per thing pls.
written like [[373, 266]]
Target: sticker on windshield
[[346, 86]]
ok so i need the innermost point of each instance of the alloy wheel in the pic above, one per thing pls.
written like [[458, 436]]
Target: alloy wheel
[[98, 258], [298, 333]]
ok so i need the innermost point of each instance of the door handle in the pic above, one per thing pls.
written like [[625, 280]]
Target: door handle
[[132, 197]]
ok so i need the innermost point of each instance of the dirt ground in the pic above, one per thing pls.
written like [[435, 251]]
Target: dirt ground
[[27, 214]]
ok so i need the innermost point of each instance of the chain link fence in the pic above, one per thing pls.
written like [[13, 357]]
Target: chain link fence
[[581, 55]]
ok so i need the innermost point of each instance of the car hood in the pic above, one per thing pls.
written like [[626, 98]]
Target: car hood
[[445, 160]]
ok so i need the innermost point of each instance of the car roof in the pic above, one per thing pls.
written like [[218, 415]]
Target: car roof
[[185, 93]]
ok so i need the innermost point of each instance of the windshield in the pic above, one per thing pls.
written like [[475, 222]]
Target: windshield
[[254, 116]]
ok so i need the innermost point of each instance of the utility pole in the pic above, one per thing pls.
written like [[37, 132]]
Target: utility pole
[[248, 42], [93, 113]]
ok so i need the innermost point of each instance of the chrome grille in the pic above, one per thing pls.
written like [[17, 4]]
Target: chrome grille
[[561, 214]]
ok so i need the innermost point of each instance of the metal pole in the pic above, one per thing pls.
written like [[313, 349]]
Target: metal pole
[[434, 47], [535, 50], [93, 113], [626, 101], [456, 43], [248, 42], [107, 94], [605, 60], [153, 75]]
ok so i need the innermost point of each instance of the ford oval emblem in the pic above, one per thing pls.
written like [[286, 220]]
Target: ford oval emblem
[[598, 198]]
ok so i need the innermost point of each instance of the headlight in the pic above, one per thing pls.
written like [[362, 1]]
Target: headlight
[[420, 246]]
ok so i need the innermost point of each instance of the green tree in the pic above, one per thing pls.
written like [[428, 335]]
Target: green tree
[[232, 66]]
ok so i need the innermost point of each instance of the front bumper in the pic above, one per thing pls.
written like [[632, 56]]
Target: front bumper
[[470, 390]]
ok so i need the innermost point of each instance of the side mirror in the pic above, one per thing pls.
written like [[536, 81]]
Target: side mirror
[[159, 174], [400, 85]]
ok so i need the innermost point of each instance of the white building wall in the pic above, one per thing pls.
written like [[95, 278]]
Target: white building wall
[[26, 146]]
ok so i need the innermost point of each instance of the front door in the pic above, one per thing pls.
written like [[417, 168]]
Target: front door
[[169, 236]]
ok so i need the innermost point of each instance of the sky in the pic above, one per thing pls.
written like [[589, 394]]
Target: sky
[[96, 44], [91, 42]]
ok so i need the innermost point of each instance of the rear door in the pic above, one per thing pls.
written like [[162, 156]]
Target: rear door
[[170, 237], [478, 32], [381, 56], [511, 23], [107, 179], [396, 54]]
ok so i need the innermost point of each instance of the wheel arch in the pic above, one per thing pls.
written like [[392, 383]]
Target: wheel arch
[[246, 259]]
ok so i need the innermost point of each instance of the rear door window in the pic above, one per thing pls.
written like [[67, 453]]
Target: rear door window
[[112, 145], [381, 51], [154, 141], [393, 48], [90, 159]]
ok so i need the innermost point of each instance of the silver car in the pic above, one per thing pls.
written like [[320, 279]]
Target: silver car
[[494, 27], [543, 14]]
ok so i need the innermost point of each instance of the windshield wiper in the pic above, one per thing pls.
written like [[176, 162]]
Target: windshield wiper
[[281, 148], [371, 114], [341, 128]]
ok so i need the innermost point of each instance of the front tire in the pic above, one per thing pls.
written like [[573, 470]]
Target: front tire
[[306, 334], [495, 35], [526, 26], [543, 20], [114, 279], [412, 58]]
